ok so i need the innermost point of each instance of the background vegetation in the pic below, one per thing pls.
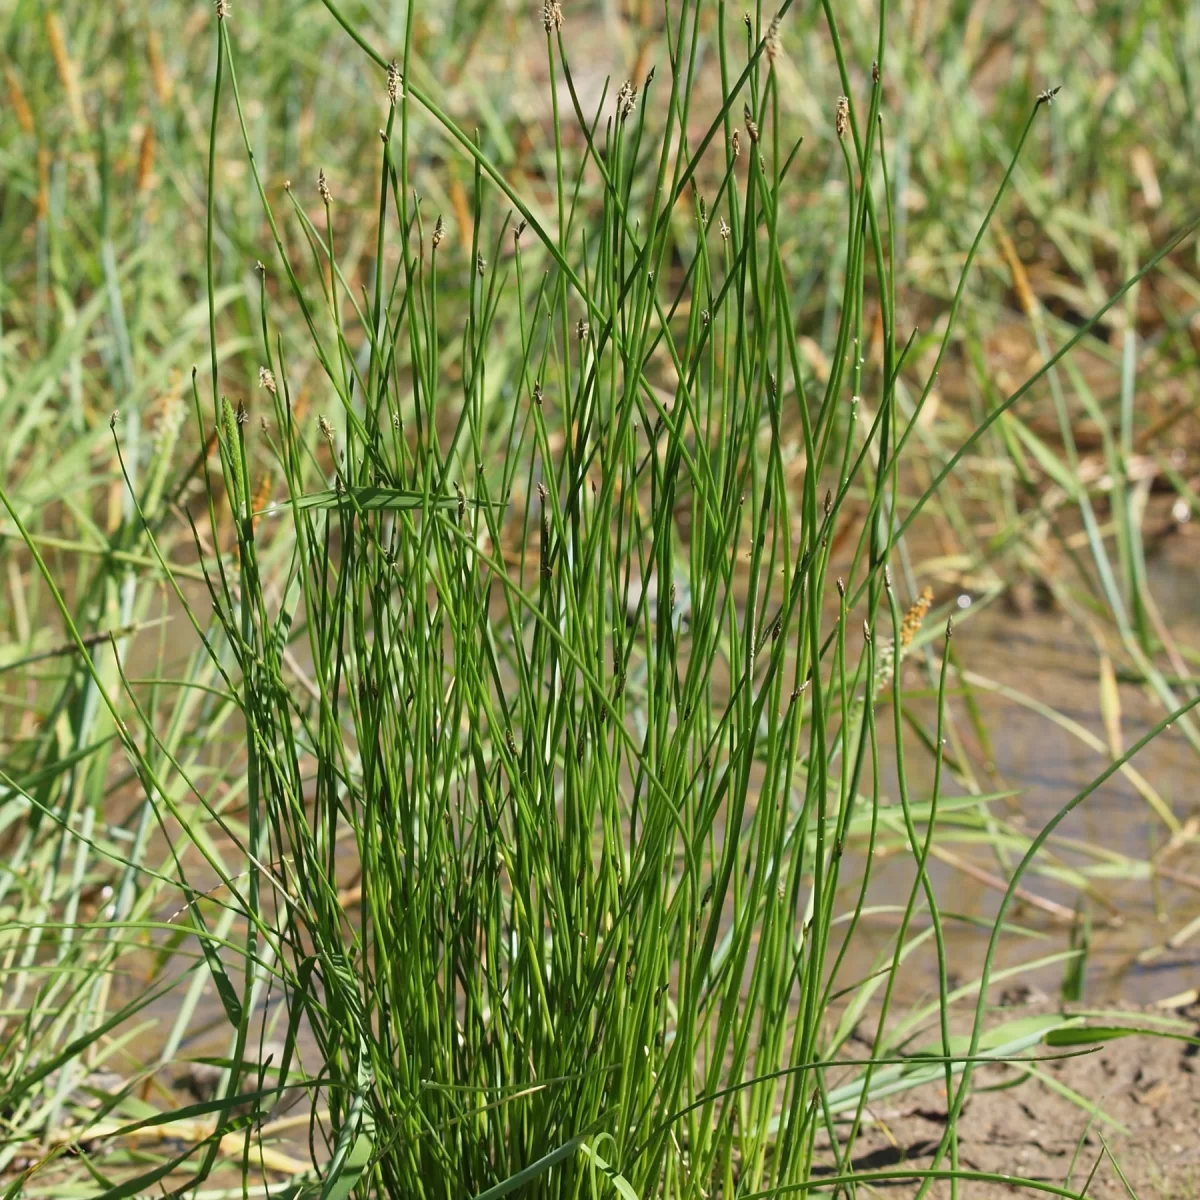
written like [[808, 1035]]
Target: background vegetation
[[470, 485]]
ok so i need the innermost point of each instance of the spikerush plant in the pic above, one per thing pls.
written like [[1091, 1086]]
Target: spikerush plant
[[599, 826], [598, 853]]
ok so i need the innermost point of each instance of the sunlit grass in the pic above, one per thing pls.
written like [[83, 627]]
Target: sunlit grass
[[510, 722]]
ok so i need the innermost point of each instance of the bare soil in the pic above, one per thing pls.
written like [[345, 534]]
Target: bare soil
[[1146, 1091]]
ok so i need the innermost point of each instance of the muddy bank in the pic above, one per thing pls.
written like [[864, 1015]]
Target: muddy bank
[[1144, 1093]]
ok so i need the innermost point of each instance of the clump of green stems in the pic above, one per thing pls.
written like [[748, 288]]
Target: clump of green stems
[[550, 657]]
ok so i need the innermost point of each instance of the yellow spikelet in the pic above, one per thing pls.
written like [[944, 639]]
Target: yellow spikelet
[[42, 205], [1020, 279], [262, 494], [16, 97], [914, 617], [160, 77], [67, 75], [145, 175]]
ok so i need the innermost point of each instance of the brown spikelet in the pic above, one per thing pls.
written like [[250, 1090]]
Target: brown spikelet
[[66, 70], [1016, 268], [323, 187], [393, 82], [751, 124], [914, 617], [1142, 163], [16, 97], [642, 67], [841, 116], [145, 175], [160, 77], [463, 215], [300, 407], [875, 345], [552, 16], [261, 495]]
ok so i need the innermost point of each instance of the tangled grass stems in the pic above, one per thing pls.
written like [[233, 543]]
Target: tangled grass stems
[[542, 654]]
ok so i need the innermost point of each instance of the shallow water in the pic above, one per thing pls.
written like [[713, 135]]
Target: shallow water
[[1043, 656]]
